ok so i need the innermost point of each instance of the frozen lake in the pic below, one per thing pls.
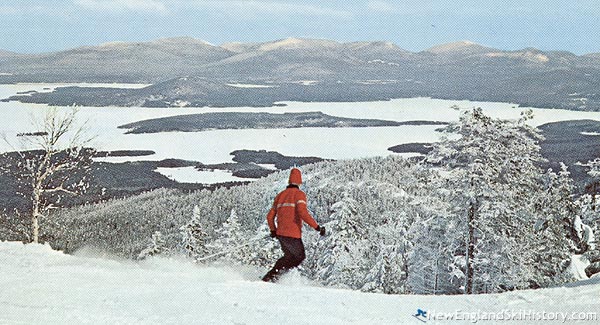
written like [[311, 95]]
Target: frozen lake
[[191, 175], [214, 146]]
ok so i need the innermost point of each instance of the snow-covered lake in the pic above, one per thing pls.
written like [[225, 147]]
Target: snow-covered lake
[[214, 146]]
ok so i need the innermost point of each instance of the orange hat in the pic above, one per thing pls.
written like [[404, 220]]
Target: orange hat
[[295, 177]]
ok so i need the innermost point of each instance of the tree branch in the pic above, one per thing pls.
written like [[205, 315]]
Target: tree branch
[[58, 189]]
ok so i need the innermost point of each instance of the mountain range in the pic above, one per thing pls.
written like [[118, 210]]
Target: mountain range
[[292, 68]]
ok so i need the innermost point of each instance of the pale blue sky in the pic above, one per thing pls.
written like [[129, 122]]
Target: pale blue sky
[[49, 25]]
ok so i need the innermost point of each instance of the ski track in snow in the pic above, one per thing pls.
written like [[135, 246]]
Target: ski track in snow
[[42, 286]]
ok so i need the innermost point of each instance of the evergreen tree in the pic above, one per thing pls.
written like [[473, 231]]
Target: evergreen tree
[[339, 263], [230, 239], [389, 270], [436, 263], [593, 187], [588, 226], [263, 249], [433, 266], [155, 247], [554, 236], [194, 237], [491, 171], [589, 202]]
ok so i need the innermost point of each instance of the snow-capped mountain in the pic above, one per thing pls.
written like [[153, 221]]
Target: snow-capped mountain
[[461, 48], [459, 70]]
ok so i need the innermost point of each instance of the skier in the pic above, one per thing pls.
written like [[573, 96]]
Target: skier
[[289, 208]]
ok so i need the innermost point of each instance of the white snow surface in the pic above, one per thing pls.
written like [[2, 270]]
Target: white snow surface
[[238, 85], [578, 265], [268, 166], [192, 175], [43, 286]]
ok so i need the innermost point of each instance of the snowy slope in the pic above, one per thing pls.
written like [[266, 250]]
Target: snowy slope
[[42, 286]]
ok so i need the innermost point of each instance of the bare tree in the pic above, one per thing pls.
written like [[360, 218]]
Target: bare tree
[[51, 162]]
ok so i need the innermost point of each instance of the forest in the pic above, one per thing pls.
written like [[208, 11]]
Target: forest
[[477, 214]]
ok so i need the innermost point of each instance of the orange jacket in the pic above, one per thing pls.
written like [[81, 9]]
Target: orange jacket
[[290, 209]]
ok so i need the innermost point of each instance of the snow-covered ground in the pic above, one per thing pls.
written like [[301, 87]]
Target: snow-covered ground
[[238, 85], [42, 286], [578, 265], [590, 133], [214, 146]]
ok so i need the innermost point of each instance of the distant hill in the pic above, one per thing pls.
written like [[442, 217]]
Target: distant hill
[[593, 55], [462, 48], [348, 71], [7, 54], [119, 61]]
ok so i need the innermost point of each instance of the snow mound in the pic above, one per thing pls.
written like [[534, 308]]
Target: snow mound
[[578, 265], [294, 279], [43, 286]]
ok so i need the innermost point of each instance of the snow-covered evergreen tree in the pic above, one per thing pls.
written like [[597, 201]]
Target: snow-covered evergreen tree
[[491, 172], [554, 235], [340, 253], [589, 202], [435, 262], [588, 226], [233, 240], [388, 271], [593, 186], [264, 251], [433, 267], [155, 247], [194, 237]]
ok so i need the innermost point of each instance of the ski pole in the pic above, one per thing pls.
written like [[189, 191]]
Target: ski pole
[[231, 249]]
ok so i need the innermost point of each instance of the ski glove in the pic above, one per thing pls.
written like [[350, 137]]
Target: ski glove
[[321, 230], [273, 233]]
